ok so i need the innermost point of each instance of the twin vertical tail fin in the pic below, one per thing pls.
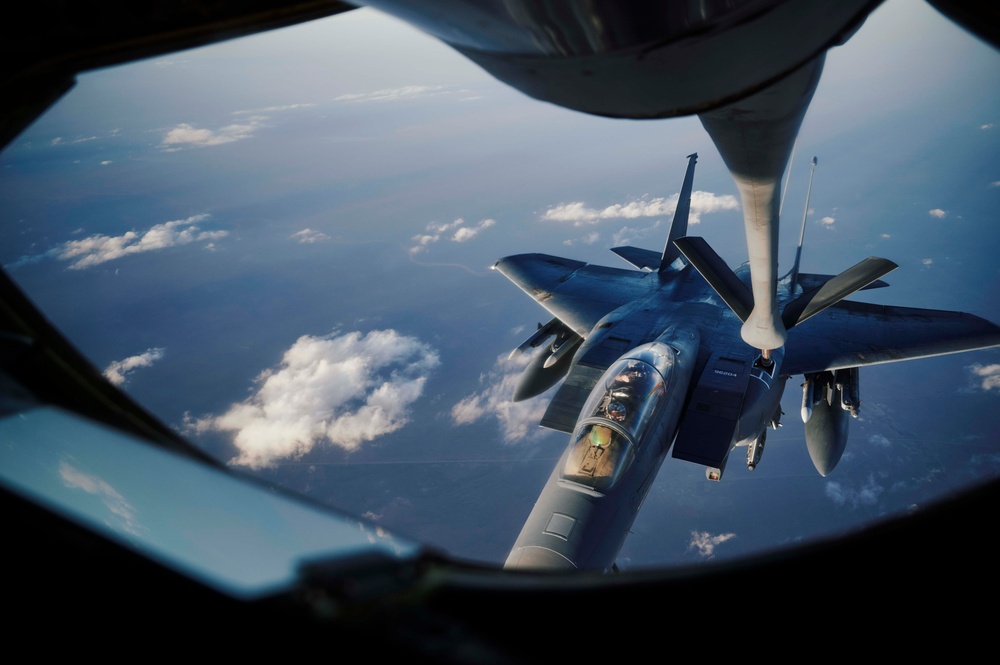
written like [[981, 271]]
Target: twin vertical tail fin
[[679, 225]]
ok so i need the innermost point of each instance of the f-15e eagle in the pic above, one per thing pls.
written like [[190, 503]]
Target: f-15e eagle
[[653, 359]]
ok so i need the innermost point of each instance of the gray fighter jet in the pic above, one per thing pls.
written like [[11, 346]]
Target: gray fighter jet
[[653, 358]]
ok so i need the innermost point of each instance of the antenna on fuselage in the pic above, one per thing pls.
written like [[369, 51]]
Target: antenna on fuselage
[[679, 225], [802, 233]]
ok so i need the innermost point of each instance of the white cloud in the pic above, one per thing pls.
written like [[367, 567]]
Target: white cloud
[[308, 236], [701, 203], [188, 136], [97, 249], [518, 420], [123, 516], [828, 222], [995, 183], [937, 212], [705, 543], [988, 125], [927, 263], [342, 390], [885, 236], [395, 94], [458, 231], [275, 109], [843, 494], [116, 371], [985, 377], [465, 233], [588, 239]]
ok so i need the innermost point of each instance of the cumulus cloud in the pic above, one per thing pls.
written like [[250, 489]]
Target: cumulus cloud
[[843, 494], [189, 136], [308, 236], [395, 94], [341, 390], [927, 263], [117, 371], [885, 236], [518, 420], [985, 377], [828, 222], [705, 543], [987, 125], [937, 212], [123, 515], [701, 203], [97, 249], [456, 231]]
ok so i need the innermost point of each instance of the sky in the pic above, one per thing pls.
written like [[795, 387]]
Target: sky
[[280, 245]]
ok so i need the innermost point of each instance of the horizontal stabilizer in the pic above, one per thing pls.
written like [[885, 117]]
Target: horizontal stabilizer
[[718, 275], [643, 259], [834, 290]]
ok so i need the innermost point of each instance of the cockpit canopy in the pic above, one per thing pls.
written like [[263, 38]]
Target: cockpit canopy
[[617, 415]]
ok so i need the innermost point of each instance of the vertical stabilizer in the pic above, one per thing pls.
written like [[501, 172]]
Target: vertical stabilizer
[[678, 227]]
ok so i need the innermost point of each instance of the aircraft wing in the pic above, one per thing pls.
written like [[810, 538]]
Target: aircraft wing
[[852, 334], [578, 294]]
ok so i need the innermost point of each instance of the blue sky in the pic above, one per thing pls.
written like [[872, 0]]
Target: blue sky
[[292, 233]]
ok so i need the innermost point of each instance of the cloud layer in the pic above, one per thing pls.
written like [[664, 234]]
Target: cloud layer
[[117, 371], [456, 231], [97, 249], [701, 202], [518, 420], [341, 390]]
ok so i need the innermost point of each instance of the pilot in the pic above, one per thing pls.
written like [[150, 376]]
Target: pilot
[[617, 411]]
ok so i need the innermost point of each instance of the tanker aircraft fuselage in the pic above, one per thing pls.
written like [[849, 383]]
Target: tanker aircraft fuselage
[[655, 358]]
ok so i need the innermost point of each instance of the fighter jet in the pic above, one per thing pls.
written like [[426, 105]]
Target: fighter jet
[[653, 359]]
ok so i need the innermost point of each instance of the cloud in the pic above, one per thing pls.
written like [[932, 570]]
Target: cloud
[[985, 377], [705, 543], [518, 420], [701, 203], [937, 212], [457, 231], [828, 222], [885, 236], [879, 440], [588, 239], [275, 109], [308, 236], [188, 136], [341, 390], [123, 514], [116, 372], [843, 494], [395, 94], [995, 183], [927, 263], [97, 249], [987, 125]]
